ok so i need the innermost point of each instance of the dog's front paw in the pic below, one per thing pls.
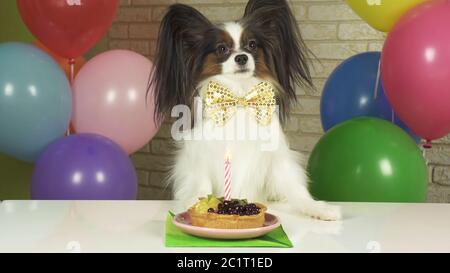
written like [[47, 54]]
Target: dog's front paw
[[324, 211]]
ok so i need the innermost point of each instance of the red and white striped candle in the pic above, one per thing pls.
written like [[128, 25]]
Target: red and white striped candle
[[227, 181]]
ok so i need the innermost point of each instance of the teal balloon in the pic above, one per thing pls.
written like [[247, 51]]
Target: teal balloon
[[367, 160], [35, 101]]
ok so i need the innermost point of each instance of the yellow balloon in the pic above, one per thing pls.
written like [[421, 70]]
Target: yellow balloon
[[382, 14]]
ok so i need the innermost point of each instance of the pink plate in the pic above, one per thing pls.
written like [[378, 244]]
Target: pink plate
[[183, 222]]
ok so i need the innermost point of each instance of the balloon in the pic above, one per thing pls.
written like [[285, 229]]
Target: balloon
[[350, 92], [382, 14], [12, 27], [416, 75], [84, 167], [402, 125], [100, 47], [15, 179], [110, 100], [35, 101], [384, 110], [367, 160], [68, 27], [63, 62]]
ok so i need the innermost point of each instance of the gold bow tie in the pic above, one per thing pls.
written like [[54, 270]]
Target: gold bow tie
[[221, 103]]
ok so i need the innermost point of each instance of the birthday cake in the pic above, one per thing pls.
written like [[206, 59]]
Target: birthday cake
[[213, 212]]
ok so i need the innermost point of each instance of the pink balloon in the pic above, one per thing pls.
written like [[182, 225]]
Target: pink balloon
[[110, 99], [415, 68]]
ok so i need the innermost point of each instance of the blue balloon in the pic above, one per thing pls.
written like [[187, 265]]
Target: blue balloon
[[354, 89], [35, 101]]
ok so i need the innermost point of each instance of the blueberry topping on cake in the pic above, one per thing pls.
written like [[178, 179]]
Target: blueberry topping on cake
[[216, 212]]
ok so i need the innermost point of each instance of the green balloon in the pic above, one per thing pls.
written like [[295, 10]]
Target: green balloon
[[12, 27], [15, 178], [367, 160]]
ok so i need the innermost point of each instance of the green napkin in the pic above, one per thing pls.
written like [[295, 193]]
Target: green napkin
[[177, 238]]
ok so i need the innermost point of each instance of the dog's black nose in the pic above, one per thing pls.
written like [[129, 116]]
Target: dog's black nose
[[241, 59]]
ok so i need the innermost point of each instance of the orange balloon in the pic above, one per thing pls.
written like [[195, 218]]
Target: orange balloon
[[63, 62]]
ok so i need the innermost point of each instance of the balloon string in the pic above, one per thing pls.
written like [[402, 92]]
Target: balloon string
[[72, 77], [377, 83], [424, 154], [72, 70]]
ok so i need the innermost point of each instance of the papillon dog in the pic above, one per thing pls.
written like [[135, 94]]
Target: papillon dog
[[245, 73]]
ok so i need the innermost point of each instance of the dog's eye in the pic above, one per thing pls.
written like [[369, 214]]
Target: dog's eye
[[222, 49], [252, 45]]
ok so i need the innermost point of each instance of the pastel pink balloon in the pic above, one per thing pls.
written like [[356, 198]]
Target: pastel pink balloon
[[110, 99], [415, 69]]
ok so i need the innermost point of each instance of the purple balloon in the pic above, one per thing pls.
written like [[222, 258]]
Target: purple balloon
[[84, 167]]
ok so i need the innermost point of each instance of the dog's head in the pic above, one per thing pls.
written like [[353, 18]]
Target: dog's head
[[265, 43]]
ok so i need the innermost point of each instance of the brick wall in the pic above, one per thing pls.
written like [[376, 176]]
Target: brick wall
[[333, 33]]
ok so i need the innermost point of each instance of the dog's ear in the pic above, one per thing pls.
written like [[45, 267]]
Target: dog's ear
[[254, 5], [180, 42], [285, 50]]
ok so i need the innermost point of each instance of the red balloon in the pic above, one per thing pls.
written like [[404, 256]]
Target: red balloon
[[415, 69], [63, 62], [68, 27]]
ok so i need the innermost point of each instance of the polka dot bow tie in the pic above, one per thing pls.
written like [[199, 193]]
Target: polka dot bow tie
[[221, 103]]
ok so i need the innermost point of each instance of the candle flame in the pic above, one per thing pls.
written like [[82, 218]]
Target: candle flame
[[227, 156]]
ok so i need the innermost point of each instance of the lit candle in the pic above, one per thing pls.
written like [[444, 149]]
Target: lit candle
[[227, 181]]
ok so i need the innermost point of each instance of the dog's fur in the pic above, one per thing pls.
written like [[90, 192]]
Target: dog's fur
[[191, 52]]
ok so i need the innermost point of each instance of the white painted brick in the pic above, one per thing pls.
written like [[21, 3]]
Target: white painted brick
[[318, 31], [292, 124], [300, 12], [331, 12], [341, 50], [318, 87], [441, 175], [439, 155], [221, 14], [358, 31], [438, 194], [310, 125], [376, 46], [308, 106], [302, 143], [322, 68], [143, 176], [154, 193]]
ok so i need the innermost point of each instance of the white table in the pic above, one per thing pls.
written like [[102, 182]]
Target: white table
[[138, 226]]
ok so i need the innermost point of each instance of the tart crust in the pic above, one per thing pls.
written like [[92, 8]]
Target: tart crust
[[226, 221]]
